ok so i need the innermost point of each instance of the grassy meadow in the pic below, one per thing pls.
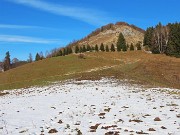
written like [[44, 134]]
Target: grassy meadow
[[144, 68]]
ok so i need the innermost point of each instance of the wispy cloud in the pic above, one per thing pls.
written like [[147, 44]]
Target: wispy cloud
[[90, 16], [12, 26], [26, 39], [9, 26]]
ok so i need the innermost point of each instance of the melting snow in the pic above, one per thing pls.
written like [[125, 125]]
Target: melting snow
[[99, 107]]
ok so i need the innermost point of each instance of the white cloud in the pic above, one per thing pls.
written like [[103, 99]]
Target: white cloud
[[90, 16], [17, 26], [12, 26], [26, 39]]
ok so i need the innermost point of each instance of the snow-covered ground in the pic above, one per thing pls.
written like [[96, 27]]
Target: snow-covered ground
[[90, 107]]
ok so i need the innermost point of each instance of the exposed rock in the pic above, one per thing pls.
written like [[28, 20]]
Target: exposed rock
[[178, 115], [52, 131], [163, 127], [60, 122], [136, 120], [109, 34], [152, 129], [94, 127], [112, 133], [141, 132], [101, 114], [157, 119], [107, 127]]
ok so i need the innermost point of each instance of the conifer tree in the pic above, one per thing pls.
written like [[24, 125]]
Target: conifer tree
[[138, 45], [112, 48], [84, 48], [96, 48], [107, 48], [89, 48], [127, 46], [81, 49], [148, 37], [77, 49], [66, 50], [60, 53], [7, 62], [69, 50], [92, 48], [102, 47], [173, 45], [121, 44], [38, 57], [63, 52], [132, 47]]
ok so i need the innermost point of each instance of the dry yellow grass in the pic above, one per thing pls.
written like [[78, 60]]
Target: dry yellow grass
[[155, 70]]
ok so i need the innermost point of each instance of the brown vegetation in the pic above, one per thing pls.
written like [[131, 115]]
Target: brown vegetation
[[141, 67]]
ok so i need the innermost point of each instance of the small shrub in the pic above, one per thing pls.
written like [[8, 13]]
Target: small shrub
[[81, 56]]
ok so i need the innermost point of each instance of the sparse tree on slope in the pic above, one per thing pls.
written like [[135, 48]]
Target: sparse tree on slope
[[63, 52], [89, 48], [84, 48], [132, 47], [107, 48], [112, 48], [60, 53], [173, 46], [138, 45], [96, 48], [69, 50], [77, 49], [81, 49], [148, 37], [7, 62], [30, 58], [102, 47], [121, 44], [37, 57]]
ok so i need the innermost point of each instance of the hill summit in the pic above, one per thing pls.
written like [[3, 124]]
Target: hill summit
[[109, 33]]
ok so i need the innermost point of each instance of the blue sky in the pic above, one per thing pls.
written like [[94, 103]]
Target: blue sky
[[31, 26]]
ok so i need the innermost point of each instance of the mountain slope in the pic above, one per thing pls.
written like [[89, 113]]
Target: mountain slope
[[154, 70], [108, 34]]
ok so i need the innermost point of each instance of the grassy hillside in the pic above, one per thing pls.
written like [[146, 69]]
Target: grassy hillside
[[154, 70]]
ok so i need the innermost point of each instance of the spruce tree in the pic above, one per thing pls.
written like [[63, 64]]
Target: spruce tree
[[60, 53], [102, 47], [63, 52], [89, 48], [121, 44], [124, 48], [138, 45], [77, 49], [127, 46], [38, 57], [81, 49], [131, 47], [107, 48], [173, 46], [69, 50], [7, 62], [92, 48], [96, 48], [148, 37], [112, 48], [66, 51], [84, 48]]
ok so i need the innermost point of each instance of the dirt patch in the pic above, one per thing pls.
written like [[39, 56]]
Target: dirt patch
[[3, 93]]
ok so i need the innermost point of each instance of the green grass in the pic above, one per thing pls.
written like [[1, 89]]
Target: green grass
[[139, 66]]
